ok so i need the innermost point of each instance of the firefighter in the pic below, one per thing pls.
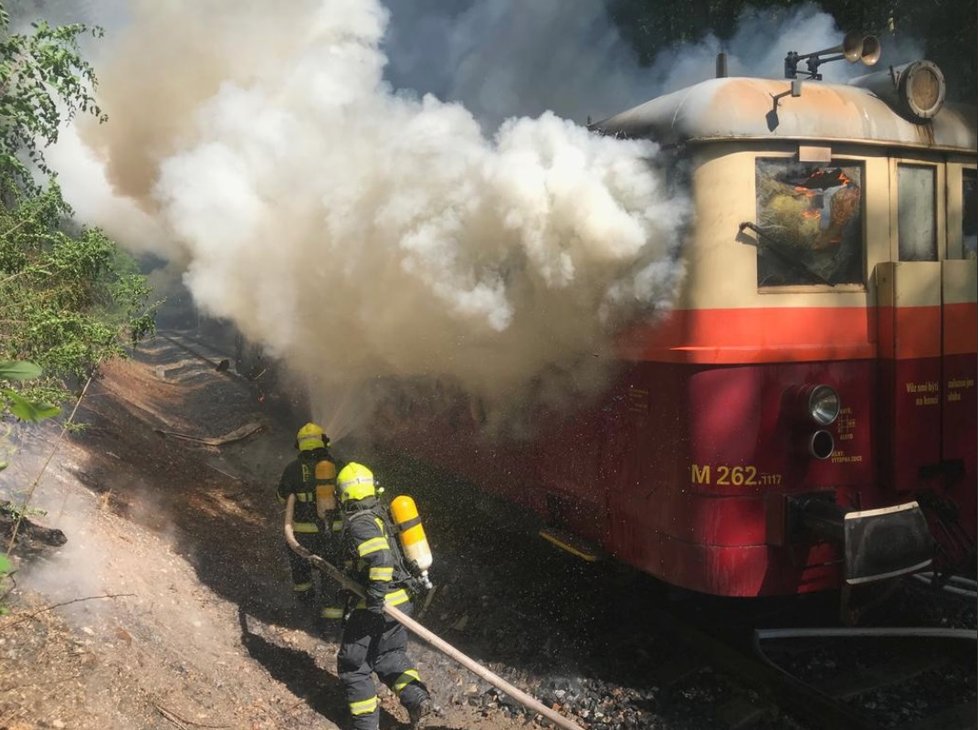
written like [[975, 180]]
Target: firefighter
[[309, 476], [371, 641]]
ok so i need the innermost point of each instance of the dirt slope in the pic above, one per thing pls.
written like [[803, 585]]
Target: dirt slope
[[179, 610]]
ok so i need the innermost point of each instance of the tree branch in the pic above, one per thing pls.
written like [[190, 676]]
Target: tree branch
[[37, 613]]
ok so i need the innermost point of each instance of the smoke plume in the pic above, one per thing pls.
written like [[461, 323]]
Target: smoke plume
[[503, 58], [371, 192], [356, 231]]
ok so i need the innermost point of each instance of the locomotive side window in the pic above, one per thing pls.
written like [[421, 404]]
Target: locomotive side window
[[917, 220], [810, 217], [969, 219]]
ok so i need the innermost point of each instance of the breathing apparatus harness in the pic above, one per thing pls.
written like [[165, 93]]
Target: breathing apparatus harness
[[407, 573], [359, 493]]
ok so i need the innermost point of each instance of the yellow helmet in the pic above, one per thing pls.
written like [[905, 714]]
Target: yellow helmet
[[311, 436], [355, 482]]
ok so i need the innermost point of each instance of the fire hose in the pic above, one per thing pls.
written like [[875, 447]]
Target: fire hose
[[414, 627]]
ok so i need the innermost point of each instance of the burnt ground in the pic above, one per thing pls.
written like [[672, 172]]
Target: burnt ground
[[170, 603], [174, 574], [179, 609]]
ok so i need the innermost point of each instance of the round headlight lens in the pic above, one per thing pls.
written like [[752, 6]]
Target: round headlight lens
[[823, 405]]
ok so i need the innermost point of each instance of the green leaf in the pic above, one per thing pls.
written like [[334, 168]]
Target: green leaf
[[71, 298], [5, 564], [18, 370], [27, 410]]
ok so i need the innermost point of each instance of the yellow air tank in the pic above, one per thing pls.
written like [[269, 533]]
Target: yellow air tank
[[411, 533], [325, 487]]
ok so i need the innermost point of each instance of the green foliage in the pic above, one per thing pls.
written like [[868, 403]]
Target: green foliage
[[63, 302], [6, 570], [44, 82], [69, 297], [27, 410], [14, 370], [24, 409], [7, 509]]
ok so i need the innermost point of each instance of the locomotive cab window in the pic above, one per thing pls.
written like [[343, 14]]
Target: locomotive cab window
[[917, 217], [810, 221], [969, 218]]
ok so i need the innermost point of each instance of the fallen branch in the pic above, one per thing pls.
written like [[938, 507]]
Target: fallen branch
[[181, 722], [170, 716], [237, 435], [37, 613], [227, 474]]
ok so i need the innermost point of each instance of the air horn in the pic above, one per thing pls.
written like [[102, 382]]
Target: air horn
[[854, 47]]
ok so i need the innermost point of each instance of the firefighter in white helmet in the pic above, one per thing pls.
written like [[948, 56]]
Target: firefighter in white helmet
[[371, 641], [311, 477]]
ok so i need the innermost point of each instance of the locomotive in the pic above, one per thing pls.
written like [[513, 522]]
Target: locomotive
[[804, 418]]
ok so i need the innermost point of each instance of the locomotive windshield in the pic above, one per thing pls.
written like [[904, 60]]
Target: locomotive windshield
[[810, 216]]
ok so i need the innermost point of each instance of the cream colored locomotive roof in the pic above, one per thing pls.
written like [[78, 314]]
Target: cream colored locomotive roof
[[738, 108]]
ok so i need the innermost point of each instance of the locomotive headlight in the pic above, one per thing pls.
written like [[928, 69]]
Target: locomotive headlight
[[821, 445], [823, 405]]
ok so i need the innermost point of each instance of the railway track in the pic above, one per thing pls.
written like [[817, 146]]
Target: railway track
[[893, 677], [696, 664], [879, 664], [218, 361]]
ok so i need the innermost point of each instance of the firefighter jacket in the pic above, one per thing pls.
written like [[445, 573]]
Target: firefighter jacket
[[299, 478], [375, 560]]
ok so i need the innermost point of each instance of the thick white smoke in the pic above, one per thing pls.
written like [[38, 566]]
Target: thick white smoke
[[503, 58], [357, 228], [355, 231]]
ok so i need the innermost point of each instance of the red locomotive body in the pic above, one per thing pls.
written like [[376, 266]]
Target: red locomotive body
[[805, 417]]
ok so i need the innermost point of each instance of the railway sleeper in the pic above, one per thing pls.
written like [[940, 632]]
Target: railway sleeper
[[862, 680], [855, 681], [739, 713], [958, 717]]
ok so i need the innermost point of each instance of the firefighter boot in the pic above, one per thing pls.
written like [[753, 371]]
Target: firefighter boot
[[419, 712]]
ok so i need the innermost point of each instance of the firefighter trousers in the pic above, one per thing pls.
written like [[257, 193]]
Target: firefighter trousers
[[303, 581], [366, 650]]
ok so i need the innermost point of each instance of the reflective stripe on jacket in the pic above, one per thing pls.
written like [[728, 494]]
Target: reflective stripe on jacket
[[370, 548], [299, 478]]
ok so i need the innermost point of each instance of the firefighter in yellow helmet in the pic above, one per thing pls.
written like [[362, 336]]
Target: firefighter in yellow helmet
[[371, 641], [311, 477]]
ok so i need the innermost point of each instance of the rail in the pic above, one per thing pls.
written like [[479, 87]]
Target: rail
[[765, 676], [829, 704], [956, 585]]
